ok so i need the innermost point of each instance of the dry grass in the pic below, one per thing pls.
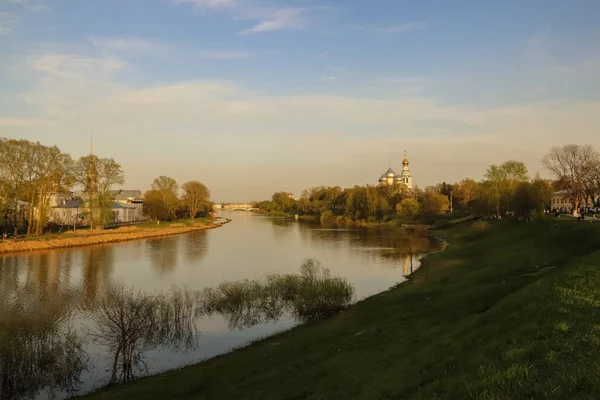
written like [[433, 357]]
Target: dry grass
[[85, 237]]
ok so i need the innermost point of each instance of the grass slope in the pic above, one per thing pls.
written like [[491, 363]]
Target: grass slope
[[510, 313]]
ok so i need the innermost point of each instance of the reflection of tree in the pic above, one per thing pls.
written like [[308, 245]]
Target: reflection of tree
[[310, 295], [97, 267], [130, 323], [416, 241], [196, 246], [36, 353], [163, 254]]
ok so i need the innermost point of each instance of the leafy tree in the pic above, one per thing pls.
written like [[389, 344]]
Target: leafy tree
[[465, 192], [504, 180], [327, 218], [154, 206], [98, 175], [195, 197], [284, 202], [434, 203], [167, 188], [408, 208]]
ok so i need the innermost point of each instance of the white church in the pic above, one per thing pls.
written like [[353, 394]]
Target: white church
[[390, 177]]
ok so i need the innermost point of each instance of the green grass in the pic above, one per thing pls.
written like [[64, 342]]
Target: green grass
[[508, 312], [167, 224]]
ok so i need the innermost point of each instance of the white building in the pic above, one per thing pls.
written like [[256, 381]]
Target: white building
[[561, 201]]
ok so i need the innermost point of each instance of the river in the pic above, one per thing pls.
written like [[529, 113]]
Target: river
[[249, 247]]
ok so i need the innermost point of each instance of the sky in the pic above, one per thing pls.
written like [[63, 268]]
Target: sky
[[256, 96]]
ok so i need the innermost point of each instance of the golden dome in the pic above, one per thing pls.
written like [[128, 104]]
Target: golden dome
[[405, 161]]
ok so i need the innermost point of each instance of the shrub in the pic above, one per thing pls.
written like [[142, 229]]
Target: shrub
[[480, 226], [327, 218]]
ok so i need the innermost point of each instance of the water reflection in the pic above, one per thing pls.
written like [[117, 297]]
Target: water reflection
[[196, 246], [98, 263], [164, 254], [312, 294], [264, 251], [129, 323], [36, 351]]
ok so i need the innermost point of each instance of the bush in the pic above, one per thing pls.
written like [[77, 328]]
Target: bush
[[480, 226], [327, 218]]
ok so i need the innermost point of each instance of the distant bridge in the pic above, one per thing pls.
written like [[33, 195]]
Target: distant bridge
[[237, 207]]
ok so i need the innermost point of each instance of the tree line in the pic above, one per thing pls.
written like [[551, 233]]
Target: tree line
[[505, 188], [31, 173], [164, 203]]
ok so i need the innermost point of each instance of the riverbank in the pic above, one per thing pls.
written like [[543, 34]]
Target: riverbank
[[509, 310], [125, 233]]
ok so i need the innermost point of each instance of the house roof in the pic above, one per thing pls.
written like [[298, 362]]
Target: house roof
[[71, 204], [116, 204]]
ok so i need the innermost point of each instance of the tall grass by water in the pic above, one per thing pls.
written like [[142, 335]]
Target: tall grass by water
[[312, 294]]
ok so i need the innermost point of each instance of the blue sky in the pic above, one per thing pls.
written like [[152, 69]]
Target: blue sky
[[254, 96]]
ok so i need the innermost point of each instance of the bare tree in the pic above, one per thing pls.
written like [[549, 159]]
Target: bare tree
[[130, 323], [195, 197], [573, 165]]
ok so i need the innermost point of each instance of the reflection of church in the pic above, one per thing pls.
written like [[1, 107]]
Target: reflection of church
[[391, 178]]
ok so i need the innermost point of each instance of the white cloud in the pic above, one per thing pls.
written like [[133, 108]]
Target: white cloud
[[276, 137], [279, 20], [126, 45], [269, 19], [224, 55]]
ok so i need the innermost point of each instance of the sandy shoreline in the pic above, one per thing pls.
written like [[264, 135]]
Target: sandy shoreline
[[72, 239]]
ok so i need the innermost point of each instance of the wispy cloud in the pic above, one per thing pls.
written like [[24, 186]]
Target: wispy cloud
[[211, 4], [126, 45], [224, 55], [5, 29], [269, 19], [279, 20], [391, 29], [7, 21]]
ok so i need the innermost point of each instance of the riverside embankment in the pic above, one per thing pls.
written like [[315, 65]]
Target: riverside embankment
[[86, 237], [509, 310]]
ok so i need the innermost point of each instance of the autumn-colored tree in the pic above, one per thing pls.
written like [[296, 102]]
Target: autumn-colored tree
[[195, 197], [434, 203], [408, 208], [166, 188], [465, 192]]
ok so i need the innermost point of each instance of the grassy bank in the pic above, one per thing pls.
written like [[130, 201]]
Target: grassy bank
[[86, 237], [509, 311]]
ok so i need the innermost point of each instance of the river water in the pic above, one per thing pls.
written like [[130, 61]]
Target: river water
[[248, 247]]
